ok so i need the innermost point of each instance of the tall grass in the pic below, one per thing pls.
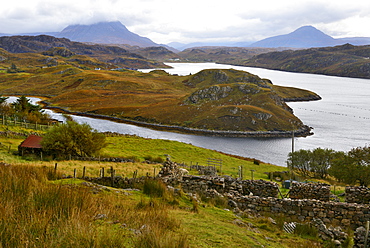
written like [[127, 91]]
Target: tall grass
[[36, 213]]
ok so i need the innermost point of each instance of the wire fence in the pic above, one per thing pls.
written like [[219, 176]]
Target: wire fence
[[13, 121]]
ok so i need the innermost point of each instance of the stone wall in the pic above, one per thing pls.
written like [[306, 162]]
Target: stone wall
[[358, 194], [260, 196], [205, 170], [171, 174], [318, 191], [229, 185], [334, 213]]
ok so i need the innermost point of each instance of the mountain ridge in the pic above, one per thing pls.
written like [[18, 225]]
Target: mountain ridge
[[109, 54], [105, 32], [303, 37], [306, 36]]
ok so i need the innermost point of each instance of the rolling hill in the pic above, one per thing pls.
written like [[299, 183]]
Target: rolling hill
[[115, 55], [345, 61], [209, 102]]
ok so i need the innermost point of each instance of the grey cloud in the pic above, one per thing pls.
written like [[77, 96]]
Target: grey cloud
[[288, 19]]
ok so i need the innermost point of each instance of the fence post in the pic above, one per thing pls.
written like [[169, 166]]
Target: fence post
[[367, 234], [252, 174], [112, 175], [55, 168], [83, 172], [74, 173]]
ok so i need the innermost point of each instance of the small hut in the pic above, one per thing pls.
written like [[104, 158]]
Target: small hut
[[31, 145]]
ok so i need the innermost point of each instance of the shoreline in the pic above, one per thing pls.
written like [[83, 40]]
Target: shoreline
[[301, 132]]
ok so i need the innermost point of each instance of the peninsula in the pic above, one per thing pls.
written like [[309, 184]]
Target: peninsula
[[211, 102]]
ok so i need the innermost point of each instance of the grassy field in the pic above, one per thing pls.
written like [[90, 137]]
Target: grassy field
[[139, 149], [39, 211], [36, 212]]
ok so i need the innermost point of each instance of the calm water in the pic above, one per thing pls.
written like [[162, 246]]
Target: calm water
[[341, 120]]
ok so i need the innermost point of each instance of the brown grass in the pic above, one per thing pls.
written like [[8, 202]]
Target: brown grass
[[35, 213]]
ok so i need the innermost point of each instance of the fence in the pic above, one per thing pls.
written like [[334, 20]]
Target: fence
[[12, 121], [215, 162]]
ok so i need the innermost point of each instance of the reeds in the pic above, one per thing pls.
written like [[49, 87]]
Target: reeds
[[36, 213]]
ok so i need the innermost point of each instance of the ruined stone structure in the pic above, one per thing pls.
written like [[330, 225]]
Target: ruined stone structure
[[334, 213], [318, 191], [358, 194], [171, 175], [260, 197]]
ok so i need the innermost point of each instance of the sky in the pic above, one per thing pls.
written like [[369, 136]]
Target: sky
[[187, 21]]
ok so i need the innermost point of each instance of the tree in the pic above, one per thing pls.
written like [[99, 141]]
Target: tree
[[25, 110], [311, 163], [299, 161], [353, 167], [23, 105], [73, 139], [321, 160], [3, 99]]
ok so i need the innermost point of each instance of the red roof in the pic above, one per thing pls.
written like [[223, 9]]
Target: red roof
[[32, 141]]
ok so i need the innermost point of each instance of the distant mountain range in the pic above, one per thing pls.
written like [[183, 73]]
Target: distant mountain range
[[303, 37], [307, 37], [106, 33], [117, 33], [102, 32]]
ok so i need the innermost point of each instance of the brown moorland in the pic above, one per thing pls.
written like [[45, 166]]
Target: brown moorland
[[211, 99]]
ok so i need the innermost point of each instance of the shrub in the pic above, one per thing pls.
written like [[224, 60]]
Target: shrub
[[306, 230], [155, 160], [154, 188]]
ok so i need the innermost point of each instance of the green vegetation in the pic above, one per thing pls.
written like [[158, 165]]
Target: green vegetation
[[137, 149], [68, 212], [313, 163], [23, 110], [37, 213], [352, 167], [73, 139]]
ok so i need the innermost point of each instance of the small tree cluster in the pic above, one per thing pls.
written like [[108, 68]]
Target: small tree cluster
[[353, 167], [23, 110], [312, 163], [73, 139]]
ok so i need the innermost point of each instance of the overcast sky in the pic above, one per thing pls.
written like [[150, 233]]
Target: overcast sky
[[187, 21]]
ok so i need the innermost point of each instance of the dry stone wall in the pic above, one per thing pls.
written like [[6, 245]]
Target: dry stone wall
[[229, 185], [261, 196], [171, 175], [318, 191], [358, 194], [335, 213]]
